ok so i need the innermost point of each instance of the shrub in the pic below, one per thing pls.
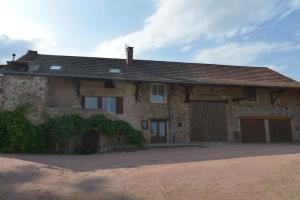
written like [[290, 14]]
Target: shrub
[[134, 136], [18, 134], [60, 129]]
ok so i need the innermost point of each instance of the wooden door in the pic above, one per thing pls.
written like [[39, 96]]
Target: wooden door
[[90, 142], [158, 131], [208, 121], [253, 130], [280, 130]]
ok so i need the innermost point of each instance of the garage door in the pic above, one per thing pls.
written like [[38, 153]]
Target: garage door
[[253, 130], [280, 130], [208, 121]]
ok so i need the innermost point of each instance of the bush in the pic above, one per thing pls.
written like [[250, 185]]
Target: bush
[[60, 129], [134, 136], [18, 134]]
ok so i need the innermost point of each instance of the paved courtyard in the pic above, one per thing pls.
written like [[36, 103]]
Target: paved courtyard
[[218, 171]]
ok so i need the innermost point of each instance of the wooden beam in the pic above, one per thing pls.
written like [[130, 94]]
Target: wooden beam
[[188, 91], [211, 101], [78, 88], [238, 99], [275, 95], [137, 89], [267, 117]]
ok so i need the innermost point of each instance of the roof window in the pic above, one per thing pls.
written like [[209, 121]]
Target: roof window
[[55, 67], [33, 66], [115, 70]]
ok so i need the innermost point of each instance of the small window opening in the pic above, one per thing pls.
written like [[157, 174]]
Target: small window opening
[[250, 94], [158, 93], [109, 84], [144, 124], [115, 70], [55, 67]]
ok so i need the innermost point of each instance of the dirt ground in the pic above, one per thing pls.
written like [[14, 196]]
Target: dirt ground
[[219, 171]]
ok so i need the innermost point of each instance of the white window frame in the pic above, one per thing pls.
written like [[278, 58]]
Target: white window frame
[[109, 104], [153, 100]]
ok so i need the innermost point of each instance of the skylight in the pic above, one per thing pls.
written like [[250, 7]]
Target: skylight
[[115, 70], [33, 66], [55, 66]]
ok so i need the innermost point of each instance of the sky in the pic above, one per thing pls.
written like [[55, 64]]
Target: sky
[[233, 32]]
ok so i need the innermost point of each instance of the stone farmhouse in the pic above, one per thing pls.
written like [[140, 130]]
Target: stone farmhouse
[[171, 102]]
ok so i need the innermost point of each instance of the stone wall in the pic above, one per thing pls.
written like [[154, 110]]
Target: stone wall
[[56, 96], [286, 105], [17, 90]]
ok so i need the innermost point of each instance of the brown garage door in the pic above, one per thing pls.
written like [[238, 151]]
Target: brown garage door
[[253, 130], [280, 130], [208, 121]]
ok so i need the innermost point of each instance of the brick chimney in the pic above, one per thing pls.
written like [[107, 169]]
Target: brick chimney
[[129, 55]]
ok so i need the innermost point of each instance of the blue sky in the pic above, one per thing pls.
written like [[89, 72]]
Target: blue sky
[[248, 32]]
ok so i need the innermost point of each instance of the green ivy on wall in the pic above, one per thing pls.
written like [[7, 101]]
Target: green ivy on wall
[[18, 134]]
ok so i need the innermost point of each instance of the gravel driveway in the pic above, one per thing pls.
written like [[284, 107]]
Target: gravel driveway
[[219, 171]]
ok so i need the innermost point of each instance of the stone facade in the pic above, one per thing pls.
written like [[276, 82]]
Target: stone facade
[[57, 95], [17, 90]]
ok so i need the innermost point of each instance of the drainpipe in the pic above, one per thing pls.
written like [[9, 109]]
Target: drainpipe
[[267, 131], [2, 92], [170, 116]]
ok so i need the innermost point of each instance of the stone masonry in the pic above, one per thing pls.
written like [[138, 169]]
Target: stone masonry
[[57, 95]]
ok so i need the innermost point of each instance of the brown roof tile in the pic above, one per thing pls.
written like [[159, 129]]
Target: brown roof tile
[[159, 71]]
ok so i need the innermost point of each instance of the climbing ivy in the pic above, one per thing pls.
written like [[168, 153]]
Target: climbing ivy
[[18, 134]]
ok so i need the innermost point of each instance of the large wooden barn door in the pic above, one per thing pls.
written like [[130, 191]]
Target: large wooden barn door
[[208, 121], [280, 130], [253, 130]]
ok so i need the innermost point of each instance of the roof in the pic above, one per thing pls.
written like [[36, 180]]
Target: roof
[[155, 71]]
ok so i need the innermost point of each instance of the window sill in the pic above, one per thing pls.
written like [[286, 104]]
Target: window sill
[[158, 102]]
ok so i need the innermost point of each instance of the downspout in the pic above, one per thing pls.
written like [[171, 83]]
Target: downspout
[[170, 116], [2, 88]]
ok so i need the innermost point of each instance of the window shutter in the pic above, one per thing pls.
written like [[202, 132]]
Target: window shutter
[[99, 102], [83, 101], [119, 101]]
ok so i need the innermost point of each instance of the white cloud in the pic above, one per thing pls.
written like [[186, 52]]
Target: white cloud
[[241, 54], [186, 48], [16, 28], [297, 34], [294, 5], [233, 53], [183, 21], [9, 46]]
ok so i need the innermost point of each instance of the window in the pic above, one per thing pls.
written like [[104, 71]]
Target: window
[[115, 70], [250, 94], [158, 93], [144, 124], [33, 66], [179, 124], [158, 128], [109, 104], [91, 102], [109, 84], [55, 67], [154, 127]]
